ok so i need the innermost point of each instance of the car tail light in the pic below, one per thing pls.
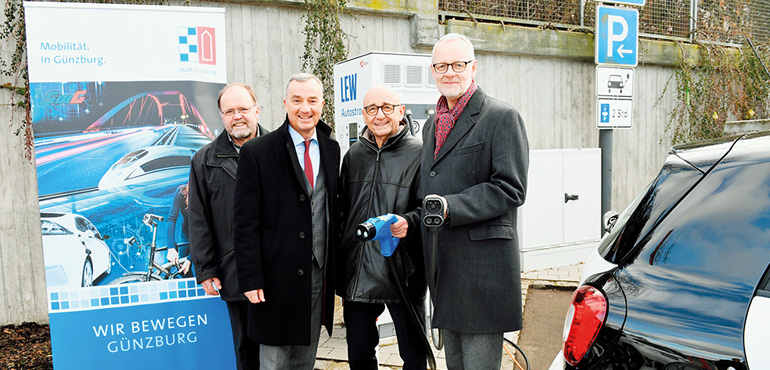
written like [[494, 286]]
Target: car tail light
[[584, 319]]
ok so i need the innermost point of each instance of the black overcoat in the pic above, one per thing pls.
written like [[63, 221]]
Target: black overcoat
[[481, 170], [210, 199], [273, 235]]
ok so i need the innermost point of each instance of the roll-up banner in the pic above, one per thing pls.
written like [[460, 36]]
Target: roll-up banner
[[122, 97]]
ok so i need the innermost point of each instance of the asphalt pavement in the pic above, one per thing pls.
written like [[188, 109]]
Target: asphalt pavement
[[546, 295]]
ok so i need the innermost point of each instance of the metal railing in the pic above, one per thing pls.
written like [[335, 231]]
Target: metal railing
[[721, 21]]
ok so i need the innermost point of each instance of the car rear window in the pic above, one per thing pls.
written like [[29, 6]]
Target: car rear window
[[674, 180], [719, 232]]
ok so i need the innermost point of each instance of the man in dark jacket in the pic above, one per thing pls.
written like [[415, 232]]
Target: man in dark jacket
[[210, 194], [381, 174], [285, 207], [475, 155]]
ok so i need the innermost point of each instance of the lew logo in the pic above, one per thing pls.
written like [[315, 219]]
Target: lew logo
[[197, 45]]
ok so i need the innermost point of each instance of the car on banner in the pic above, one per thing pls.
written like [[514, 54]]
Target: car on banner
[[681, 280], [148, 165], [74, 251]]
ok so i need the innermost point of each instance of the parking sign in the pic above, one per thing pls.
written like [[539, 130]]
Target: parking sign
[[617, 36]]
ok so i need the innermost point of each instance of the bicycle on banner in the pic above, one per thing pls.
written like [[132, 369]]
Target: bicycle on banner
[[155, 271]]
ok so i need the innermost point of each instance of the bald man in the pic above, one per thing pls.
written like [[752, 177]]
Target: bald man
[[380, 174]]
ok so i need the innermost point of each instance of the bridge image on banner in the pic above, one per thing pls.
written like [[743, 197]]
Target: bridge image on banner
[[113, 150]]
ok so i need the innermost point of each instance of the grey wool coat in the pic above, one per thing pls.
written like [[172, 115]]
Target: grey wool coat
[[481, 170]]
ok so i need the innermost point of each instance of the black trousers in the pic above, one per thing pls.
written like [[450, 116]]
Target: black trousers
[[246, 350], [362, 336]]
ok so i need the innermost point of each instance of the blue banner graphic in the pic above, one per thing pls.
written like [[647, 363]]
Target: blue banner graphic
[[117, 116]]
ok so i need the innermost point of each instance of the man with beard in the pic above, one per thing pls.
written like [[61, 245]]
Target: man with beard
[[210, 194]]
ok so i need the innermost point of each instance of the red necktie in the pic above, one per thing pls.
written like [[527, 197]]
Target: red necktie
[[308, 164]]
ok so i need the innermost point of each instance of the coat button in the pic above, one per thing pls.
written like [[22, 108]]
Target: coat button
[[302, 197], [300, 272], [432, 174], [301, 235]]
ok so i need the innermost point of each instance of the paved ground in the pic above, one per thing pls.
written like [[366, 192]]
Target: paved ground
[[540, 339]]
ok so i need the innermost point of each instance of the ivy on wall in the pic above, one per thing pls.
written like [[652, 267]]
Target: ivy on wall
[[325, 45], [13, 33], [725, 84]]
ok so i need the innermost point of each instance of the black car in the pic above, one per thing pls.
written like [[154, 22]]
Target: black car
[[680, 281]]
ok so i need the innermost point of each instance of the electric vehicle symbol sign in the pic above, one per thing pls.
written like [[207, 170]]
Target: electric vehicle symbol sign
[[617, 34], [605, 115]]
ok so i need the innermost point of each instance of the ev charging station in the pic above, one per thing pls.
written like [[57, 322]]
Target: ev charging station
[[409, 74]]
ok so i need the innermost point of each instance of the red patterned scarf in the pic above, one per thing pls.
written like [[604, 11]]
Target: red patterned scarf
[[446, 118]]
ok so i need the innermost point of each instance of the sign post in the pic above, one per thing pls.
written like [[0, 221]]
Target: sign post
[[617, 40]]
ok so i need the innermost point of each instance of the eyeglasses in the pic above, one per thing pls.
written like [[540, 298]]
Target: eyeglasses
[[242, 111], [456, 66], [386, 109]]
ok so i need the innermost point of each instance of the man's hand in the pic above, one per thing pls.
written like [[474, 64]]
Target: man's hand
[[255, 296], [399, 228], [209, 284], [172, 255]]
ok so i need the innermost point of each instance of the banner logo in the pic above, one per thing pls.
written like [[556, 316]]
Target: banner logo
[[197, 45], [56, 97]]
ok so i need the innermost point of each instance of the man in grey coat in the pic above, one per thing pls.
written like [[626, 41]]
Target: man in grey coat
[[475, 155]]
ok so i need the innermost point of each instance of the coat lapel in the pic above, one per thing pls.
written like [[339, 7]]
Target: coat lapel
[[429, 135], [327, 148], [224, 155], [291, 153], [462, 126]]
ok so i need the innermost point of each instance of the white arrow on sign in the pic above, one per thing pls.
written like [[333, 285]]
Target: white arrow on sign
[[621, 51], [612, 37]]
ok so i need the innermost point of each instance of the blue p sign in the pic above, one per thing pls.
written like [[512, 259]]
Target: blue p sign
[[617, 35]]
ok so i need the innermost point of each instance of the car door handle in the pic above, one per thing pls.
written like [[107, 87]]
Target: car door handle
[[569, 197]]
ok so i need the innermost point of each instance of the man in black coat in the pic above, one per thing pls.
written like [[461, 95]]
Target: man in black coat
[[210, 197], [475, 154], [381, 174], [285, 207]]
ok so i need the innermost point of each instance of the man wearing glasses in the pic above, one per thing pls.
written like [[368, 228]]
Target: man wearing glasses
[[210, 196], [380, 175], [475, 155]]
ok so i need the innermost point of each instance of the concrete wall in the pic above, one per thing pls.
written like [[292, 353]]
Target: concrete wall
[[547, 75], [22, 273]]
